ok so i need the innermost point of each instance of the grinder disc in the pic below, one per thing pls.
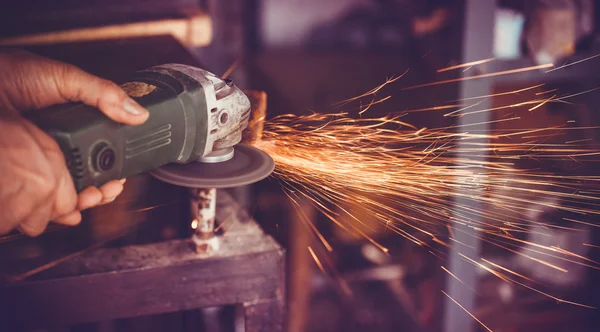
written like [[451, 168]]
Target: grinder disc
[[248, 165]]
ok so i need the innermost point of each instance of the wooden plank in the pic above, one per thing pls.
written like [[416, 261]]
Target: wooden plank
[[194, 30], [137, 292]]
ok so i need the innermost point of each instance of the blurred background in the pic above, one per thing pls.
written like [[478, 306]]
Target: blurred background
[[307, 55]]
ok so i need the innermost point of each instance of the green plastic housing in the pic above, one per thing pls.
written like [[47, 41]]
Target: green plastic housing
[[98, 149]]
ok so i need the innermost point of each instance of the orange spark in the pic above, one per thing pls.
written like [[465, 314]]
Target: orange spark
[[380, 174], [231, 68], [503, 93], [468, 64], [465, 310], [316, 260], [374, 103], [434, 108], [500, 73], [452, 275], [370, 92], [545, 92], [541, 104], [573, 63]]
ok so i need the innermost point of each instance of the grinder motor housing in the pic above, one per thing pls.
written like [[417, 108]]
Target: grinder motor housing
[[193, 113]]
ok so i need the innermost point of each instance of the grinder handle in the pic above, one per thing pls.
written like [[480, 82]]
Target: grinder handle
[[98, 149]]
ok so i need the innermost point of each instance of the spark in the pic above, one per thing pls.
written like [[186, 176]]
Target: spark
[[420, 131], [538, 102], [468, 65], [577, 94], [581, 222], [468, 313], [372, 91], [407, 177], [111, 237], [380, 173], [434, 108], [16, 236], [374, 103], [507, 270], [452, 275], [500, 73], [545, 92], [573, 63], [108, 238], [509, 280], [542, 103], [341, 281], [231, 68], [316, 260], [579, 140], [502, 93]]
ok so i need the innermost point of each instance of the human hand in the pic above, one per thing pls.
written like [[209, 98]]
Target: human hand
[[34, 187]]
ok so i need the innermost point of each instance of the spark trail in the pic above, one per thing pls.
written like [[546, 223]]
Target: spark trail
[[408, 179]]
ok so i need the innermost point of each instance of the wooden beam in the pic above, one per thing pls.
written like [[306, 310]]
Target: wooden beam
[[194, 30]]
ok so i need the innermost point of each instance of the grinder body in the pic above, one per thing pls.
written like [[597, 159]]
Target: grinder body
[[186, 108]]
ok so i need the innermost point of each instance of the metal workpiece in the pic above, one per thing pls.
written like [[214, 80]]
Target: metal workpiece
[[203, 211], [225, 168]]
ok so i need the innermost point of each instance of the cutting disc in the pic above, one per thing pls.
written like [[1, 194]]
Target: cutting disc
[[247, 166]]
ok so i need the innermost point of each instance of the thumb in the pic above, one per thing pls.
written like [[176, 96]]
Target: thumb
[[30, 82], [74, 84]]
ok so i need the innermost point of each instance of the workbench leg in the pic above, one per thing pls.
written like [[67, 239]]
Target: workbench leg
[[264, 316]]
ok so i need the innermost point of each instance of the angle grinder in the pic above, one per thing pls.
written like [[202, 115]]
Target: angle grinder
[[191, 138]]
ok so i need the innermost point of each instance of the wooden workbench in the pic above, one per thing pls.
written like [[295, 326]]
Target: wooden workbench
[[156, 278]]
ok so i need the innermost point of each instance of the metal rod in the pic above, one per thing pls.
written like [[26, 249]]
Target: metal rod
[[203, 212]]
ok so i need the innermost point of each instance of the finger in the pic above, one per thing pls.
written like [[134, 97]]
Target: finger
[[33, 82], [70, 219], [36, 223], [88, 198], [75, 84], [110, 191], [65, 198]]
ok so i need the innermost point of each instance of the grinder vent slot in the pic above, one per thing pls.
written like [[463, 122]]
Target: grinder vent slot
[[75, 163]]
